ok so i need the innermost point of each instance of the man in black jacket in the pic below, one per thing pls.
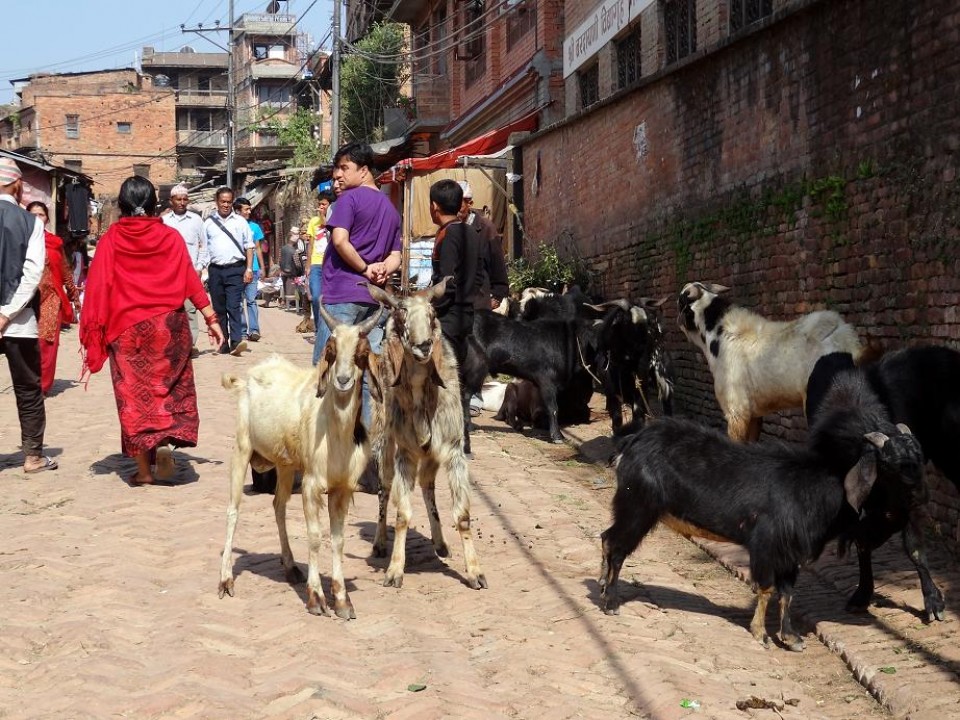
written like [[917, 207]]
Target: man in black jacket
[[457, 251], [495, 285]]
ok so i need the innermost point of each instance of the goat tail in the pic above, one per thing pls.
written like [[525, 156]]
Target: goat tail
[[231, 382]]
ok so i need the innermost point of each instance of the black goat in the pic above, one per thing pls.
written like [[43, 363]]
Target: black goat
[[550, 353], [888, 510], [920, 386], [782, 503], [630, 349], [571, 305]]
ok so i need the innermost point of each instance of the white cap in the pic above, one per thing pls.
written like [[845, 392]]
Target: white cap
[[179, 190], [465, 186]]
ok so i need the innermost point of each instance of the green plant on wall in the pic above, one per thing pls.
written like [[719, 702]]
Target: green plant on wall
[[548, 270]]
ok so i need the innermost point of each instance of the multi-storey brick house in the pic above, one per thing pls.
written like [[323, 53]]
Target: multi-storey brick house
[[107, 124], [199, 80]]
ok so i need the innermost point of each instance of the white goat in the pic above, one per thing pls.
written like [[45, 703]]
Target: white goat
[[422, 429], [759, 366], [308, 420]]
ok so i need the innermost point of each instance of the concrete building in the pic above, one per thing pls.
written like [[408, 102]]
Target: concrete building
[[107, 124], [199, 82]]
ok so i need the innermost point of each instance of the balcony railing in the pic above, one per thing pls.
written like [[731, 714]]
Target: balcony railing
[[201, 98], [202, 138]]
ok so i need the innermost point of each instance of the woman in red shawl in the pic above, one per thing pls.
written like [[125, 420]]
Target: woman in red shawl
[[133, 313], [59, 298]]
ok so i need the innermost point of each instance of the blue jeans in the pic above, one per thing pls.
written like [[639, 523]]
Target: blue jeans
[[249, 309], [316, 272], [352, 314]]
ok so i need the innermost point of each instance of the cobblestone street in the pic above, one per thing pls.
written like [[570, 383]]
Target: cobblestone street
[[111, 609]]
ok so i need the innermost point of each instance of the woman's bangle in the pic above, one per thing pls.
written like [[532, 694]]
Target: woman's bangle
[[211, 319]]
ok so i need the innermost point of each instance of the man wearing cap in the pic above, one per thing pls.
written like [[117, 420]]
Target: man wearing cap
[[190, 226], [22, 254], [495, 286], [231, 265]]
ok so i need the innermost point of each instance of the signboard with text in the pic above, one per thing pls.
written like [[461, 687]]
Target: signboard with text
[[606, 20]]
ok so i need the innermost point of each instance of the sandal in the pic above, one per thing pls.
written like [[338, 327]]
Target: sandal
[[48, 464]]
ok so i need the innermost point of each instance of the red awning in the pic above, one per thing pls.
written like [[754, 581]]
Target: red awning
[[489, 142]]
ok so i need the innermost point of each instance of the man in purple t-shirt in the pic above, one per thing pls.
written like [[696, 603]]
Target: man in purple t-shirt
[[364, 246]]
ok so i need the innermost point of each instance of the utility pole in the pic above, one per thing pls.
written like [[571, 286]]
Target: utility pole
[[231, 96], [335, 67]]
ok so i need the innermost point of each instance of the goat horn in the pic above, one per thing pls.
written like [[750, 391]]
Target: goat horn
[[621, 303], [381, 295], [877, 438], [371, 322], [329, 319], [653, 302], [904, 429]]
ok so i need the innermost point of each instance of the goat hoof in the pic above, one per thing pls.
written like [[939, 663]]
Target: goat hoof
[[295, 576], [379, 551], [442, 550], [345, 611], [611, 610], [557, 440], [393, 581], [316, 605], [478, 583], [226, 588], [793, 643]]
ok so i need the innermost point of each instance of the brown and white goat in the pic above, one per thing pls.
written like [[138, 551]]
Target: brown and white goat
[[759, 366], [309, 420], [422, 429]]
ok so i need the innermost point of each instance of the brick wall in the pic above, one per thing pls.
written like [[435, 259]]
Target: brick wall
[[804, 169], [102, 100]]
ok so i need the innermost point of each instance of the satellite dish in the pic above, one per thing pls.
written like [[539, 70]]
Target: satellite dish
[[161, 81], [187, 49]]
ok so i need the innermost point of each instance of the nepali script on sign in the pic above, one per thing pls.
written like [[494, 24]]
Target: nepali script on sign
[[598, 29]]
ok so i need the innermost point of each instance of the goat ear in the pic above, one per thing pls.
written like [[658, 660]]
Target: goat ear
[[436, 362], [394, 356], [714, 288], [373, 373], [904, 429], [859, 481], [329, 355]]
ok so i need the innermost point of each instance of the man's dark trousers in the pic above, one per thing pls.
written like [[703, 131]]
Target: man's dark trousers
[[225, 283], [23, 357]]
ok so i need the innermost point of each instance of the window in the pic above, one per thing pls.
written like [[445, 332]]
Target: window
[[521, 18], [745, 12], [73, 126], [472, 44], [264, 51], [589, 81], [628, 59], [203, 84], [273, 94], [76, 165], [680, 25], [438, 40], [421, 47], [124, 128], [142, 171]]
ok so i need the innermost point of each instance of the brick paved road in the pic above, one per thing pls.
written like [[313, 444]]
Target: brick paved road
[[110, 606]]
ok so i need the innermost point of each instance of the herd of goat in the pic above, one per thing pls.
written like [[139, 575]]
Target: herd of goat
[[858, 479]]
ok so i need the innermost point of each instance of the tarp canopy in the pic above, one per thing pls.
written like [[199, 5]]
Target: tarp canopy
[[486, 144]]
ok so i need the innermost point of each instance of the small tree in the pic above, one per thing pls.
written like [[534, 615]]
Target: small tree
[[299, 132], [370, 79]]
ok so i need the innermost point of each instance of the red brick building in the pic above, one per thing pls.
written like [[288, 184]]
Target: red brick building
[[108, 124]]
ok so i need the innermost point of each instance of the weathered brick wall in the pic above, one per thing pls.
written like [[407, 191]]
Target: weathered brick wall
[[805, 169]]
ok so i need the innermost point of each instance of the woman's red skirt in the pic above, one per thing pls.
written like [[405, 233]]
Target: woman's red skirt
[[153, 383]]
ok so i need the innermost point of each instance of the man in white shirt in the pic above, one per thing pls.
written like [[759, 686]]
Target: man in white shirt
[[22, 254], [190, 226], [230, 246]]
